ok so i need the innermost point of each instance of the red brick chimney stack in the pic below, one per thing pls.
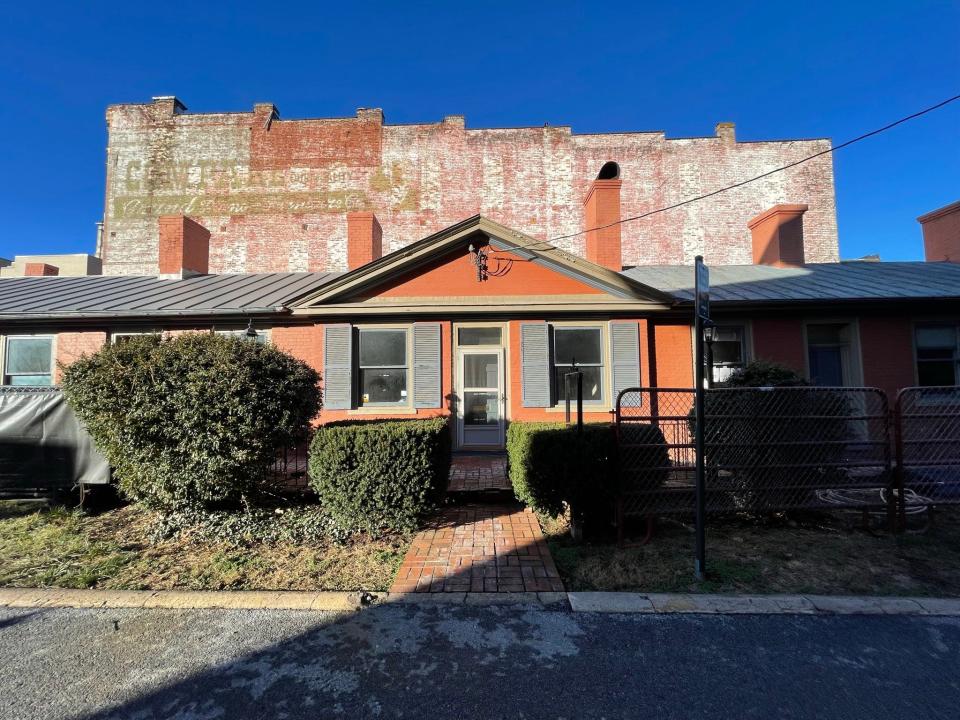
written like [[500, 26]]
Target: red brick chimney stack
[[602, 207], [364, 239], [778, 236], [38, 269], [184, 247], [941, 234]]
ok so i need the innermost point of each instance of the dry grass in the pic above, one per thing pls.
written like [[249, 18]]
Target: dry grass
[[809, 554], [60, 548]]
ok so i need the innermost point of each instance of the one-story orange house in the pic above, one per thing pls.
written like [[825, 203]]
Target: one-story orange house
[[480, 322]]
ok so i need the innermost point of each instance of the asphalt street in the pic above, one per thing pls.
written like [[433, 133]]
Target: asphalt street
[[416, 661]]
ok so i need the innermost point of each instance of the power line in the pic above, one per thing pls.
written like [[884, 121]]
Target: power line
[[766, 174]]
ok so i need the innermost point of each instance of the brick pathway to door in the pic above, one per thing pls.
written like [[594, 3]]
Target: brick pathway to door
[[479, 548], [478, 473]]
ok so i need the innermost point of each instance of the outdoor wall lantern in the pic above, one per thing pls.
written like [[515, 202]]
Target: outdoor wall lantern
[[480, 260], [250, 334]]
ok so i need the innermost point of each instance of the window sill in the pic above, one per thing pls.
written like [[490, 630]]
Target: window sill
[[600, 408], [383, 410]]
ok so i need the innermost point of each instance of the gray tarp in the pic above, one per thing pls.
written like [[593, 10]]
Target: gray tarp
[[43, 447]]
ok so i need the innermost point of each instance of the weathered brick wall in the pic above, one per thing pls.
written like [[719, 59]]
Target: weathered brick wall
[[71, 346], [274, 193]]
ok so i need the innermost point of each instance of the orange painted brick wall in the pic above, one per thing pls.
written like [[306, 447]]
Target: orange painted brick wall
[[71, 346], [672, 353]]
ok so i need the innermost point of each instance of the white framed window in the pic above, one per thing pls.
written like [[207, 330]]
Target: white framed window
[[937, 354], [729, 351], [28, 360], [383, 371], [118, 338], [579, 347]]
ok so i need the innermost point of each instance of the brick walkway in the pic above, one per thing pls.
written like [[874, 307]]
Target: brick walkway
[[479, 548], [475, 473]]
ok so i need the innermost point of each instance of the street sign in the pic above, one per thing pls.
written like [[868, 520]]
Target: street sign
[[702, 289]]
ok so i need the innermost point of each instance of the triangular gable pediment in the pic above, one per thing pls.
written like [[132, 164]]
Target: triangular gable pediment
[[440, 269]]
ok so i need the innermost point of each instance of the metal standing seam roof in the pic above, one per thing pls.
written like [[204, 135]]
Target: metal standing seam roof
[[111, 295], [854, 280]]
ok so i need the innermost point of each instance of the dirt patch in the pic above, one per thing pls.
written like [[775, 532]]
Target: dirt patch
[[114, 550], [802, 554]]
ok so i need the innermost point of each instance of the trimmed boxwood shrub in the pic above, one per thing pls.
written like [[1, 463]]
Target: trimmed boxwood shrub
[[191, 422], [375, 476], [553, 466]]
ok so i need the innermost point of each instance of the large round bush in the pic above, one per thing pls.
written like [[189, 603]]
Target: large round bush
[[192, 421]]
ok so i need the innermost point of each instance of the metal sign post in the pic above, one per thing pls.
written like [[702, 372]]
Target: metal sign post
[[700, 320]]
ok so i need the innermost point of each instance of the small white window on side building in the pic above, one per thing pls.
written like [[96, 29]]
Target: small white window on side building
[[729, 351], [28, 360]]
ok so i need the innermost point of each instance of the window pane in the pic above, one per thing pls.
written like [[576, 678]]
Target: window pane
[[936, 337], [936, 373], [481, 408], [29, 355], [592, 383], [935, 353], [383, 347], [577, 344], [727, 352], [826, 366], [827, 334], [481, 371], [384, 386], [479, 336], [29, 380]]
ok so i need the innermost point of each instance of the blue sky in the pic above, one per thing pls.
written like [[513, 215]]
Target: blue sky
[[778, 70]]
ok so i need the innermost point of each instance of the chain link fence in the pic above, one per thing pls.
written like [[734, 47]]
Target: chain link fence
[[927, 423], [765, 449]]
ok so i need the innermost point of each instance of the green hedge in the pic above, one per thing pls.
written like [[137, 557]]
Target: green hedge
[[552, 465], [191, 422], [376, 476]]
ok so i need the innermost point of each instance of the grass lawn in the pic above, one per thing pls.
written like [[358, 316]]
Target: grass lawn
[[70, 549], [814, 554]]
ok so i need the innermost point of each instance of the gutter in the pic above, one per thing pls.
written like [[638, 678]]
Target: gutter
[[83, 314]]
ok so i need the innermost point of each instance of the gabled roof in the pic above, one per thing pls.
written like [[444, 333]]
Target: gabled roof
[[826, 282], [129, 295], [387, 268]]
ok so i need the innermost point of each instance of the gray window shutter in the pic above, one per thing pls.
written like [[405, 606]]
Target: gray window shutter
[[337, 367], [535, 364], [426, 365], [624, 356]]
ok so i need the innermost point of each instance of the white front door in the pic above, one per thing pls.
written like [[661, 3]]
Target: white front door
[[480, 413]]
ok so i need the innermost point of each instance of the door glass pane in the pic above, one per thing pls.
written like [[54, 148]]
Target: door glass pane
[[826, 366], [481, 371], [383, 385], [29, 355], [383, 347], [479, 336], [827, 334], [481, 407], [577, 344]]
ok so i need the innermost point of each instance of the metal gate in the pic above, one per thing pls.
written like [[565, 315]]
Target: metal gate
[[765, 449], [927, 423]]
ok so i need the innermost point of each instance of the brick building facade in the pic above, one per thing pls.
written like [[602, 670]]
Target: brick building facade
[[274, 194]]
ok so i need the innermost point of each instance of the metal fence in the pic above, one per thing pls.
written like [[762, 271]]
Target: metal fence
[[927, 426], [289, 470], [765, 449]]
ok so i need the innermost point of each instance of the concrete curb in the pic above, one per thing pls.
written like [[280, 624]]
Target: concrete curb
[[596, 602]]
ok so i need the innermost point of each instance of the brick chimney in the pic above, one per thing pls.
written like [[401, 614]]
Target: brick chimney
[[941, 234], [364, 239], [602, 207], [184, 247], [37, 269], [778, 236]]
